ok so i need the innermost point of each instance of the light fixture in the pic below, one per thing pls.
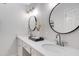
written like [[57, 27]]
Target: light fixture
[[35, 12], [30, 9]]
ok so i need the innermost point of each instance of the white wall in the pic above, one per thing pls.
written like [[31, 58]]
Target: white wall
[[71, 40], [12, 22]]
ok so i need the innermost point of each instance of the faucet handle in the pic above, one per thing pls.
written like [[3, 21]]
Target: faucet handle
[[57, 42], [62, 43]]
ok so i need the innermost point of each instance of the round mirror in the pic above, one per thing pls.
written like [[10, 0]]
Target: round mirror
[[64, 17], [32, 23]]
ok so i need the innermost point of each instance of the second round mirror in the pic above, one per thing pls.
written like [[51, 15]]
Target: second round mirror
[[64, 17]]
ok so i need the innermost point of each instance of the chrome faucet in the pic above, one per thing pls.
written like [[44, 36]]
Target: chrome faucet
[[59, 41]]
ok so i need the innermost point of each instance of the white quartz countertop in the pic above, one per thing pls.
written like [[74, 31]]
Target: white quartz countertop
[[38, 46]]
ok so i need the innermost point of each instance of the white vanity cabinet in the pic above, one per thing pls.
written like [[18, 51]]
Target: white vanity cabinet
[[35, 53], [25, 49], [30, 50], [22, 48]]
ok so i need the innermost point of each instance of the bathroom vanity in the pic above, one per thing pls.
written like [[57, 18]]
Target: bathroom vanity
[[27, 47], [63, 19], [25, 44]]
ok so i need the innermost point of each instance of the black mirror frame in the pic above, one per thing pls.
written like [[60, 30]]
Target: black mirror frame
[[53, 25], [35, 23]]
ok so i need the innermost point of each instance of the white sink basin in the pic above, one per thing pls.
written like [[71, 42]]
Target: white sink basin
[[52, 47]]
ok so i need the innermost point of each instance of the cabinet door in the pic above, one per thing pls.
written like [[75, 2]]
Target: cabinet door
[[35, 53], [25, 52], [27, 49]]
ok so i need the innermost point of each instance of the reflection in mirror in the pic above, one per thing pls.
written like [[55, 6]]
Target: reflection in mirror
[[32, 23], [64, 17]]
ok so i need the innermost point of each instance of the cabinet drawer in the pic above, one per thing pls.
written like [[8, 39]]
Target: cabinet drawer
[[35, 53], [26, 47]]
